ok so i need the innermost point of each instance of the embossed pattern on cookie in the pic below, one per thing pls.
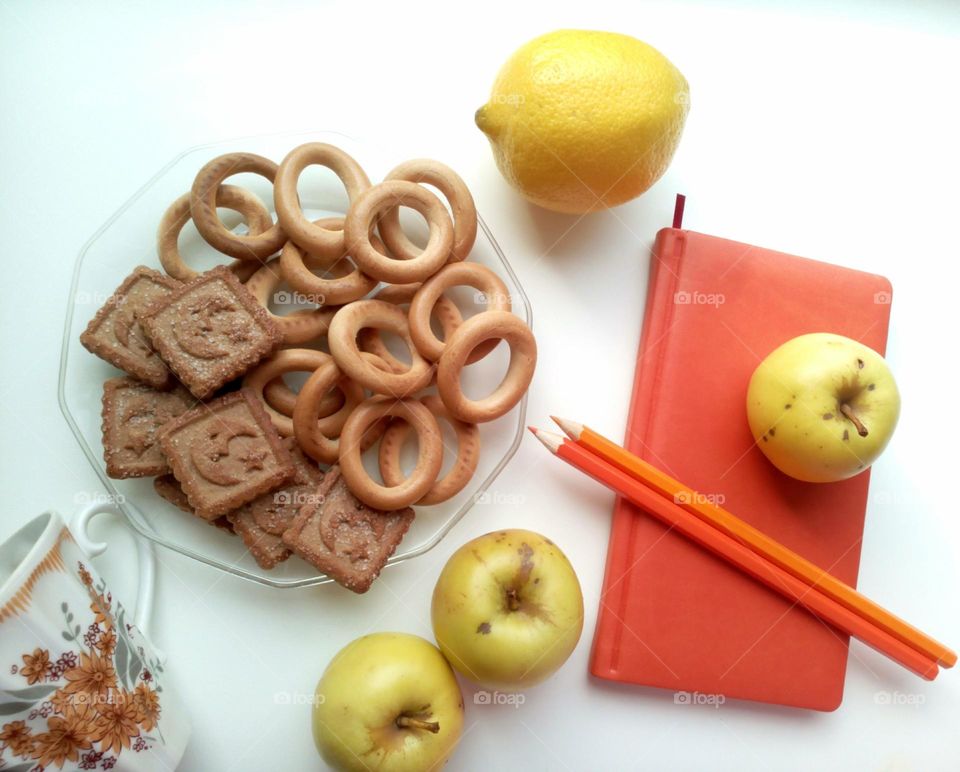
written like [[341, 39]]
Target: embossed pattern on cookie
[[343, 537], [262, 522], [132, 415], [225, 453], [115, 335], [211, 331]]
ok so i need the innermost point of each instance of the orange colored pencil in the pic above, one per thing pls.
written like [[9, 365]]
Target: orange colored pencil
[[738, 554], [759, 542]]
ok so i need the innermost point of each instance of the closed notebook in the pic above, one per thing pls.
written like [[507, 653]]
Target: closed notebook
[[673, 615]]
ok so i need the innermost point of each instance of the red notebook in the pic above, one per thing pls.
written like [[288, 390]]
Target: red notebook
[[673, 615]]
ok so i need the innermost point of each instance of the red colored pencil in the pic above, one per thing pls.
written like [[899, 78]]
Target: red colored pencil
[[737, 554]]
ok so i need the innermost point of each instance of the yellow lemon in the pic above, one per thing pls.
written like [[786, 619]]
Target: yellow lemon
[[583, 120]]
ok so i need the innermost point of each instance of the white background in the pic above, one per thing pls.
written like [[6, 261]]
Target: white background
[[827, 133]]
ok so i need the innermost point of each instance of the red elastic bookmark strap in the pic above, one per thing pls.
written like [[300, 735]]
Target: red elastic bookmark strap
[[678, 211]]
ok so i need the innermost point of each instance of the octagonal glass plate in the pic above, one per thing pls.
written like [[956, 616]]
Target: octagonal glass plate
[[127, 239]]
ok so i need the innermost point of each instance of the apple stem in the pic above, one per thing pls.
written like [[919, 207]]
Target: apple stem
[[513, 600], [848, 412], [418, 723]]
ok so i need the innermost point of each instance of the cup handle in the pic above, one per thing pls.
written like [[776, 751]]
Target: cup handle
[[146, 559]]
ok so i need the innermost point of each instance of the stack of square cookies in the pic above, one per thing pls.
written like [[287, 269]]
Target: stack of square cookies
[[214, 452]]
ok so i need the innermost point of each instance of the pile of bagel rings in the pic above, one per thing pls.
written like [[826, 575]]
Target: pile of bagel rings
[[366, 276]]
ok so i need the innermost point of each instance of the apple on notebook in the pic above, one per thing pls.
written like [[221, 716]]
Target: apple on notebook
[[822, 407]]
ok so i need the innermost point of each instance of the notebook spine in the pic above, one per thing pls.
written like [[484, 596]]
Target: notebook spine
[[657, 319]]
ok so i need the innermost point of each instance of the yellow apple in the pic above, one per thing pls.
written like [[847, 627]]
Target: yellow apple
[[507, 609], [822, 407], [390, 702]]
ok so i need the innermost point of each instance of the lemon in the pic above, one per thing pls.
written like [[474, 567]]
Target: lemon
[[582, 120]]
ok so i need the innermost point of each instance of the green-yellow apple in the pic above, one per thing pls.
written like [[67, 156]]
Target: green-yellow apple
[[390, 702], [822, 407], [507, 609]]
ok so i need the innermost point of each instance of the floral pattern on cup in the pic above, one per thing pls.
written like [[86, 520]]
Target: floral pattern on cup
[[88, 704]]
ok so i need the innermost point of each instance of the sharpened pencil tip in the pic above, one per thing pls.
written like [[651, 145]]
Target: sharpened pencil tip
[[550, 440], [571, 428]]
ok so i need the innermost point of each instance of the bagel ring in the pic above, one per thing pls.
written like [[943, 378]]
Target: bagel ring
[[276, 393], [177, 215], [335, 290], [454, 189], [428, 296], [203, 207], [316, 239], [369, 339], [454, 481], [283, 399], [317, 435], [363, 216], [331, 409], [342, 338], [288, 361], [429, 461], [298, 326], [523, 361], [330, 263], [325, 262]]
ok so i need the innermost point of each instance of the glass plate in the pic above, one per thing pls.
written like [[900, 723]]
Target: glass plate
[[127, 240]]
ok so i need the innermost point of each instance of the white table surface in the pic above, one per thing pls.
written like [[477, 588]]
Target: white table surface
[[826, 133]]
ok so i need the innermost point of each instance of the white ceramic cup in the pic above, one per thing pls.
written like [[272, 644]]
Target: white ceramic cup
[[81, 687]]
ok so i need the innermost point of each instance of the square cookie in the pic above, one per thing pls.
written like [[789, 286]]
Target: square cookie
[[262, 522], [132, 415], [343, 537], [210, 331], [168, 488], [225, 453], [115, 335]]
